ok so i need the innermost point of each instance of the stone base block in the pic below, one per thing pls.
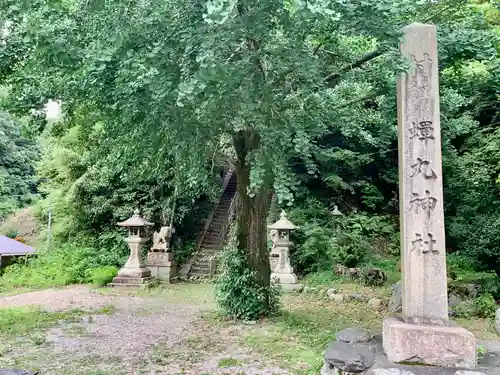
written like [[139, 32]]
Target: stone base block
[[292, 287], [162, 273], [447, 346], [284, 278], [130, 282], [134, 272]]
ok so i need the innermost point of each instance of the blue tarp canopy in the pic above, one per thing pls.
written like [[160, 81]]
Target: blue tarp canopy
[[9, 246]]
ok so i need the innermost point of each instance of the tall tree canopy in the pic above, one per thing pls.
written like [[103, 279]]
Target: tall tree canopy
[[17, 166]]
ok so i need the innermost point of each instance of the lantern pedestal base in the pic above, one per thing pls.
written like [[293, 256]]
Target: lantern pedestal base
[[287, 281], [132, 277], [130, 282]]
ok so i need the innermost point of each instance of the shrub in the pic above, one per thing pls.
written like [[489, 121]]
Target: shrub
[[237, 292], [101, 276], [322, 278], [68, 264], [350, 248], [12, 234], [349, 240], [479, 240], [483, 306]]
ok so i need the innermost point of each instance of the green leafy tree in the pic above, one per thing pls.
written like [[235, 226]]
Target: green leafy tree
[[17, 162]]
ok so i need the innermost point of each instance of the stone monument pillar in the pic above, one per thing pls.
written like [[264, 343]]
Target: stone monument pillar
[[134, 272], [425, 334], [279, 256], [160, 260]]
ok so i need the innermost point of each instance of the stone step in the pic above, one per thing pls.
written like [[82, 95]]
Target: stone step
[[125, 285], [131, 280]]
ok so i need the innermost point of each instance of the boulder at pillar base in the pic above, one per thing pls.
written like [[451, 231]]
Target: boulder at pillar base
[[428, 344]]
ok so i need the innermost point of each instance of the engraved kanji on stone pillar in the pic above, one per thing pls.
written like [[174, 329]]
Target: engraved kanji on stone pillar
[[425, 334], [425, 298]]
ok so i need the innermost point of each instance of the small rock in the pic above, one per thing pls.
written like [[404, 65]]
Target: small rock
[[472, 290], [389, 371], [309, 289], [396, 302], [375, 303], [339, 298], [6, 371], [358, 297], [348, 357], [453, 300], [331, 292], [250, 322], [354, 335], [498, 320]]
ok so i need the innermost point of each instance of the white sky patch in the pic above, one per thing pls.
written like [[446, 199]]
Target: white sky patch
[[53, 110]]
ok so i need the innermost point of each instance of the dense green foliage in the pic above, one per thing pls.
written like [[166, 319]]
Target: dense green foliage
[[297, 96], [237, 292], [17, 166]]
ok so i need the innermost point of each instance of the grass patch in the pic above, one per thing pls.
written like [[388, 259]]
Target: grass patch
[[321, 278], [106, 310], [298, 337], [21, 320], [228, 362]]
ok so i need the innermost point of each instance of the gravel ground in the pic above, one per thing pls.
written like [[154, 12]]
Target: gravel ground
[[144, 335]]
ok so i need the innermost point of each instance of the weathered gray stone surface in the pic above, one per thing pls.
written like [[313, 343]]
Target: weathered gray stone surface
[[339, 298], [453, 300], [349, 357], [425, 336], [358, 297], [419, 370], [389, 371], [375, 303], [331, 292], [396, 301], [354, 335], [492, 356], [428, 344], [424, 279]]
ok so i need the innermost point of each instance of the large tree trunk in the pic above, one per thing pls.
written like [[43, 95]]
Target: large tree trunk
[[252, 211]]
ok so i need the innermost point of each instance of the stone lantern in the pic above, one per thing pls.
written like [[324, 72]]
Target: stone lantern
[[336, 212], [279, 256], [134, 272]]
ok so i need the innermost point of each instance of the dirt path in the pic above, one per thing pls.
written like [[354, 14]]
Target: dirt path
[[139, 335]]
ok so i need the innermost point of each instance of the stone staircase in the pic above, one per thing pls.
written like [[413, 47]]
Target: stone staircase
[[212, 241]]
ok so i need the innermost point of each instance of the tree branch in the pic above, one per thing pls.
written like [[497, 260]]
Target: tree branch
[[316, 49], [370, 95], [374, 54], [364, 59]]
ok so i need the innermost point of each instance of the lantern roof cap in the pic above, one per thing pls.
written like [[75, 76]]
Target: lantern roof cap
[[336, 212], [283, 223], [135, 221]]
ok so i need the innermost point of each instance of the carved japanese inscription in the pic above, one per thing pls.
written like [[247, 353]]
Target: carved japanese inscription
[[421, 191], [422, 167], [423, 130], [424, 246], [427, 204]]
